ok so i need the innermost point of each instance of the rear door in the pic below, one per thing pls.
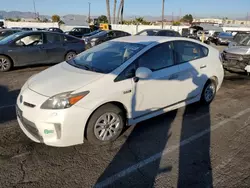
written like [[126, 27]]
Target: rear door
[[55, 47], [193, 66], [28, 49]]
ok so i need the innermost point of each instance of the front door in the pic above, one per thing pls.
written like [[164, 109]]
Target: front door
[[161, 90], [193, 67], [28, 49]]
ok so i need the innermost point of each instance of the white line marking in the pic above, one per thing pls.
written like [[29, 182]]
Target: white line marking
[[8, 106], [153, 158]]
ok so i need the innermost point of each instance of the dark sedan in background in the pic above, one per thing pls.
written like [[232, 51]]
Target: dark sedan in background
[[159, 32], [102, 36], [78, 31], [37, 47], [223, 38], [55, 29], [7, 32]]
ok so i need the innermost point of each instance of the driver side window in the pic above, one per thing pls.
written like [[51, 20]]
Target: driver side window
[[30, 40]]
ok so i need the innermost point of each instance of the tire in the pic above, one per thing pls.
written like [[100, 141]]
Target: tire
[[70, 55], [209, 92], [95, 133], [5, 63]]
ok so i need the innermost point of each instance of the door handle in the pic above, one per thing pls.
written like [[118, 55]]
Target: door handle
[[203, 66]]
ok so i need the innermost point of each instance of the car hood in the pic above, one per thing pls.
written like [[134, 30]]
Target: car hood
[[242, 50], [61, 78]]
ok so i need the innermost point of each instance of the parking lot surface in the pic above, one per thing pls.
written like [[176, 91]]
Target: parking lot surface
[[192, 147]]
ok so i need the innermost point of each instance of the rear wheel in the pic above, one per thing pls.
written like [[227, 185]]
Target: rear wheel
[[209, 92], [105, 125], [5, 63], [69, 56]]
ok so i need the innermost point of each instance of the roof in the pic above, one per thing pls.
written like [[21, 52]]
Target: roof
[[146, 40]]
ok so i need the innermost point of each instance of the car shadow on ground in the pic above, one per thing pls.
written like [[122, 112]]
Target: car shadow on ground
[[144, 142], [7, 101]]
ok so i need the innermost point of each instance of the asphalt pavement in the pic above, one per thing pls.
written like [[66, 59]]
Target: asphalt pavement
[[191, 147]]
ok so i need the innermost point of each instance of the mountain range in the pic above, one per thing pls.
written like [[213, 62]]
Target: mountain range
[[79, 18]]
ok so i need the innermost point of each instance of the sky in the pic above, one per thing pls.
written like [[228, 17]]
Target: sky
[[198, 8]]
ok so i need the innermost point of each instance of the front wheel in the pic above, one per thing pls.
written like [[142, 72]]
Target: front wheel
[[105, 125], [209, 92], [69, 56], [5, 63]]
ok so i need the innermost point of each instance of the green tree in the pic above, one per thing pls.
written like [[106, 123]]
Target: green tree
[[55, 18], [61, 22], [176, 23], [187, 18], [102, 19]]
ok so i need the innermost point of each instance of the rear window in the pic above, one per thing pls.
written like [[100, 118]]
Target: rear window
[[186, 51]]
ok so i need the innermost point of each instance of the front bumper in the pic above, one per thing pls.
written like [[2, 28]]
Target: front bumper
[[235, 61], [58, 128]]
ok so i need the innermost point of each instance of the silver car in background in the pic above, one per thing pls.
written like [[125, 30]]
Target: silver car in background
[[237, 55]]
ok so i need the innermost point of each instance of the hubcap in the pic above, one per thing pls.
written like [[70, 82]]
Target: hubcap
[[107, 126], [4, 63], [209, 92], [71, 56]]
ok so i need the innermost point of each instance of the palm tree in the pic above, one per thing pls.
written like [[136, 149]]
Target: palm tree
[[120, 11], [114, 12], [108, 10]]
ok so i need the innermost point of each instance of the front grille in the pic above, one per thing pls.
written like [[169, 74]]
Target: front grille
[[237, 57], [31, 128], [29, 104]]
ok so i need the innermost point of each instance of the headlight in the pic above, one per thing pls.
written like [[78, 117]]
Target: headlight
[[93, 41], [63, 100]]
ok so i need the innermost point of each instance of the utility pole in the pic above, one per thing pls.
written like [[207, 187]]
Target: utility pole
[[247, 19], [162, 19], [89, 11], [34, 4]]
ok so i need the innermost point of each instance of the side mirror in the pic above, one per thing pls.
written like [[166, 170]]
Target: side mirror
[[143, 73]]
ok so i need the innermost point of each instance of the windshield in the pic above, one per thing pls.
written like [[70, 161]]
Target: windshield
[[240, 36], [106, 57], [246, 41], [148, 32], [9, 38]]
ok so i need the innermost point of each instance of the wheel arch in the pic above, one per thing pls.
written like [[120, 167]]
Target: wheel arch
[[11, 59], [116, 103]]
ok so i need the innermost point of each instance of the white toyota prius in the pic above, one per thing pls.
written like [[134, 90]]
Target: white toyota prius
[[115, 84]]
